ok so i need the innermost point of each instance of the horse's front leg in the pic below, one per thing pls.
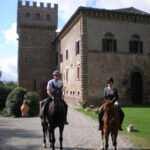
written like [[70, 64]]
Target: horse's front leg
[[114, 140], [61, 128], [102, 139], [44, 126], [106, 140], [52, 138]]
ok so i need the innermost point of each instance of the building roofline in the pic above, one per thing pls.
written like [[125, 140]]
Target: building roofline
[[117, 11]]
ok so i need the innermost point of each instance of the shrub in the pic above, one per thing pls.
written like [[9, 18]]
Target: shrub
[[83, 103], [2, 96], [5, 89], [33, 102], [14, 101]]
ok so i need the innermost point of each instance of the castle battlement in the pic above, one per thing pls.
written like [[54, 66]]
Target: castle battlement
[[35, 5], [37, 15]]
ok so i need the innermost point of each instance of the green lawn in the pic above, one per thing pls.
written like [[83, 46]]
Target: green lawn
[[140, 118]]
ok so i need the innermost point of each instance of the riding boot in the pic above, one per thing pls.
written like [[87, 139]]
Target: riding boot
[[121, 113], [101, 114], [45, 110]]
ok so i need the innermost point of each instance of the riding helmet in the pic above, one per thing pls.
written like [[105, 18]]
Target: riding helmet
[[110, 79], [56, 72]]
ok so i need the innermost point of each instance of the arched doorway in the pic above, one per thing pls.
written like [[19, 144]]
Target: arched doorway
[[137, 88]]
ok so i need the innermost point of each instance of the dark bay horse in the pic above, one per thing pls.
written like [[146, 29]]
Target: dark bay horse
[[55, 118], [111, 124]]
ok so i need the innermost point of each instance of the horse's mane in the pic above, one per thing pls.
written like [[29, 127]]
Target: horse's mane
[[109, 107]]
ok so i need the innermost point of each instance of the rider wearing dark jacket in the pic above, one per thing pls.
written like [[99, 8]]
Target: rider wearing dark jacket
[[110, 93]]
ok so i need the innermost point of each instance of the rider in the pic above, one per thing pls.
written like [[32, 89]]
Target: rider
[[110, 92], [59, 84]]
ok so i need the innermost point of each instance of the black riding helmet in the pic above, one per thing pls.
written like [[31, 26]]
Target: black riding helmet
[[110, 79], [56, 72]]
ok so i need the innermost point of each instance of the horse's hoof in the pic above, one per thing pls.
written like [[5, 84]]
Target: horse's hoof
[[44, 145], [51, 145]]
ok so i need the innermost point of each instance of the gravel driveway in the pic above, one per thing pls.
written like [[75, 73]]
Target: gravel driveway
[[80, 134]]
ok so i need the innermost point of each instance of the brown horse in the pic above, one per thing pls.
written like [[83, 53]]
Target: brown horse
[[55, 118], [111, 124]]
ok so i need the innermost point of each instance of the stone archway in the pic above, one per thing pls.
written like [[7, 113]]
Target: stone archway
[[136, 88]]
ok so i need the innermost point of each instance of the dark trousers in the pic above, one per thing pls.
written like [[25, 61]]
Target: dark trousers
[[48, 101], [101, 114]]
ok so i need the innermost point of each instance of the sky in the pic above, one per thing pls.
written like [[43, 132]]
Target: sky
[[66, 8]]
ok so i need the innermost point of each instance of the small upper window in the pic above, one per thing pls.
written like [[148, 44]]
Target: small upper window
[[61, 57], [27, 16], [77, 47], [48, 17], [37, 16], [66, 53]]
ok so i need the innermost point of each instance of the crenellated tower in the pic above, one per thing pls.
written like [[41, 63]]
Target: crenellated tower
[[36, 27]]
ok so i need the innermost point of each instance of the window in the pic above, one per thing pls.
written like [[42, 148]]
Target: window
[[37, 16], [109, 43], [67, 75], [135, 44], [27, 16], [77, 47], [78, 73], [67, 54], [25, 59], [61, 57], [73, 92], [48, 17], [78, 93]]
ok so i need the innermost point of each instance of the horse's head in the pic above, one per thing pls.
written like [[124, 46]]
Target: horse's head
[[57, 93], [108, 106]]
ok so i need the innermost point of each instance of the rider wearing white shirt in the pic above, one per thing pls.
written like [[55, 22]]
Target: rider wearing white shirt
[[55, 82]]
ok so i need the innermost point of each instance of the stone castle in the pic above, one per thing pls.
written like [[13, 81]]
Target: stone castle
[[93, 45]]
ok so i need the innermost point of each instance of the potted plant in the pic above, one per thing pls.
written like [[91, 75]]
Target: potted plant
[[83, 103], [95, 111]]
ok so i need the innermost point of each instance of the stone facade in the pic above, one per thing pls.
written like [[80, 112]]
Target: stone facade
[[36, 27], [93, 45], [91, 26]]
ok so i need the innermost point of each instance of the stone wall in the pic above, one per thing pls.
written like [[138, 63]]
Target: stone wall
[[68, 67], [116, 64], [36, 53]]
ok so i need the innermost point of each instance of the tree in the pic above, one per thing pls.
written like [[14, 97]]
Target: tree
[[0, 74]]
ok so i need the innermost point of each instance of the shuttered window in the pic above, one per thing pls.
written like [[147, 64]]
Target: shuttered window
[[109, 45], [135, 46]]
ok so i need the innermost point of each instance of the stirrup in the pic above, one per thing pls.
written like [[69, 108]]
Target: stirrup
[[100, 128], [66, 123]]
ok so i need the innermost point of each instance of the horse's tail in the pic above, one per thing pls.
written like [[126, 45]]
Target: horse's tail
[[42, 103], [44, 124]]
